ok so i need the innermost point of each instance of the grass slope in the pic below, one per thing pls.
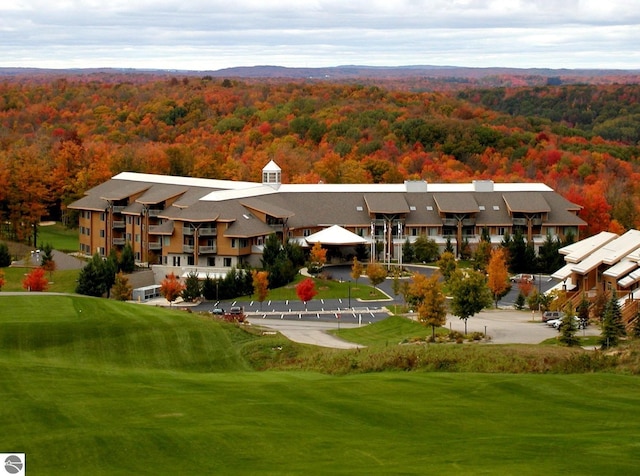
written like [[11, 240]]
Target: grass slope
[[59, 236], [97, 387]]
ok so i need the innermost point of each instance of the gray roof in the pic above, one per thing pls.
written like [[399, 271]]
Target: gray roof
[[386, 203], [306, 207], [523, 202], [160, 193], [451, 202]]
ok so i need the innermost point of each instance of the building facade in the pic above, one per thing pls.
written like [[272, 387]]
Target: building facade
[[209, 226]]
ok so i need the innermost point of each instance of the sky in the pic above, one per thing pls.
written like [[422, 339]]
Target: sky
[[210, 35]]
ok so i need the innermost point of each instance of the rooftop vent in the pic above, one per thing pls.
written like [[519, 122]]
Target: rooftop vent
[[483, 185]]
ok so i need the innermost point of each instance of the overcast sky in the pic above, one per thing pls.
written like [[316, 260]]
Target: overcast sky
[[210, 35]]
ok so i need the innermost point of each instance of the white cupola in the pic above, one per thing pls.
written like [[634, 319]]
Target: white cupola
[[272, 175]]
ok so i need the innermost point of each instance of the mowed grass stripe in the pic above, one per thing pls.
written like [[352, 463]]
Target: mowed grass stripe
[[129, 389], [124, 422], [87, 331]]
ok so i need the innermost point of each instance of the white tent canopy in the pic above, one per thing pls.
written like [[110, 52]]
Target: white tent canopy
[[335, 235]]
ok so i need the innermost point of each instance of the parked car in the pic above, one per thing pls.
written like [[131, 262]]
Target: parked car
[[218, 311], [522, 278], [556, 323], [550, 315]]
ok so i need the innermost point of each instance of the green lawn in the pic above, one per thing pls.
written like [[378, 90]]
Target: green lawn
[[58, 236], [328, 289], [101, 387], [62, 281]]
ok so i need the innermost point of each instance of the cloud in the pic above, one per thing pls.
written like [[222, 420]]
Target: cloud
[[216, 34]]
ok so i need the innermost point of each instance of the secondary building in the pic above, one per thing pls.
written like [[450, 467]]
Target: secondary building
[[208, 226]]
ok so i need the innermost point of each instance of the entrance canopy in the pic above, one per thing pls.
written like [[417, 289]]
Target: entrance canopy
[[335, 235]]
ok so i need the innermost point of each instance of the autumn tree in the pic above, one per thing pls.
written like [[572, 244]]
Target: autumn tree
[[260, 285], [376, 273], [35, 280], [430, 299], [306, 290], [2, 281], [356, 269], [121, 289], [317, 258], [497, 275], [447, 265], [470, 295], [171, 288]]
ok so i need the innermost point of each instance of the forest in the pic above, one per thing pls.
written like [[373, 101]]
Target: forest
[[60, 136]]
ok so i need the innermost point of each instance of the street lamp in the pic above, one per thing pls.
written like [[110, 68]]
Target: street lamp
[[349, 294]]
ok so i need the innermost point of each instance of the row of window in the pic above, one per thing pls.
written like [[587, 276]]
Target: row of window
[[211, 261]]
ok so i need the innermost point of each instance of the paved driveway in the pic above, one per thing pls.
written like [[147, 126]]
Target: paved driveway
[[504, 326]]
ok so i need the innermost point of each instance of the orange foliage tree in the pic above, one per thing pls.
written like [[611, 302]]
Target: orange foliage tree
[[260, 285], [171, 288], [497, 274]]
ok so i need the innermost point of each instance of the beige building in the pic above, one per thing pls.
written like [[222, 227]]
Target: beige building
[[191, 224], [605, 262]]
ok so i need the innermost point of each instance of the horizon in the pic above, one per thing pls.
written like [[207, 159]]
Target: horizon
[[215, 35]]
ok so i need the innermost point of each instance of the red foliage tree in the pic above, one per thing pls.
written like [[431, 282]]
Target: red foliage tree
[[35, 281], [306, 290]]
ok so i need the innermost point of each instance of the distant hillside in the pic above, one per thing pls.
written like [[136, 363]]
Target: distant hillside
[[488, 77]]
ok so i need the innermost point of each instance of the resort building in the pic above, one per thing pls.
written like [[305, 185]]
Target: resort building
[[208, 226], [604, 263]]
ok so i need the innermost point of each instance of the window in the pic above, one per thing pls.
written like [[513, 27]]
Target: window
[[430, 208], [101, 233], [190, 260], [137, 237], [496, 207], [306, 232], [501, 230], [481, 208], [166, 240], [227, 262], [176, 260], [359, 208], [211, 261]]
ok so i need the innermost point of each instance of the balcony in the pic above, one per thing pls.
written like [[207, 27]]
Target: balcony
[[118, 208], [155, 245], [119, 224], [208, 231], [519, 222], [207, 250], [154, 212], [187, 231], [449, 222], [277, 226], [469, 222], [119, 241], [187, 248]]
